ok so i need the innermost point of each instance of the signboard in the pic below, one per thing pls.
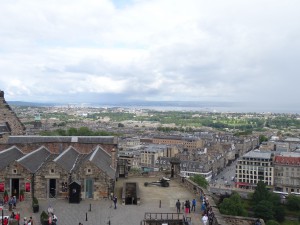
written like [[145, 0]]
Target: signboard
[[2, 185], [27, 187]]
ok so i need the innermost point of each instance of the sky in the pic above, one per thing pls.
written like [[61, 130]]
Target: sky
[[150, 50]]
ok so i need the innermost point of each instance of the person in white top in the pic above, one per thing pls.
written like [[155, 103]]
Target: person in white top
[[204, 219]]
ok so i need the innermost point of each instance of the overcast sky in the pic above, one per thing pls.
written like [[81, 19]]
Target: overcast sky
[[122, 50]]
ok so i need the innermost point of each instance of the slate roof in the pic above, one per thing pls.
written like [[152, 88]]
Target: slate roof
[[258, 154], [62, 139], [68, 158], [102, 160], [34, 160], [9, 155]]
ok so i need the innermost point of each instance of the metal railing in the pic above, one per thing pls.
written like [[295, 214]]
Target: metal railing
[[170, 218]]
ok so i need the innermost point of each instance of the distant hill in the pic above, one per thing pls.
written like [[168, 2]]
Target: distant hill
[[36, 104]]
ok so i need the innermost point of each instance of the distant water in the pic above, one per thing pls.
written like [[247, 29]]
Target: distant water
[[210, 107], [237, 107]]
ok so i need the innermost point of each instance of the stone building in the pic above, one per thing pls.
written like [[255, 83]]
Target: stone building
[[287, 173], [47, 173]]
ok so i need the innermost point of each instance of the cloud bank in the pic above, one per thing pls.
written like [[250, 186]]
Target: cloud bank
[[193, 50]]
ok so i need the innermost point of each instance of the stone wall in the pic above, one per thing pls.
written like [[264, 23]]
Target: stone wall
[[102, 184], [238, 220], [15, 171], [50, 170], [220, 219], [9, 116]]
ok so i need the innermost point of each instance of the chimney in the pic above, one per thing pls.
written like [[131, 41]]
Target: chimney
[[113, 158]]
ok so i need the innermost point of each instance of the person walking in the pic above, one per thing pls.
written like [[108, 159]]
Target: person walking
[[17, 217], [115, 200], [194, 205], [204, 219], [178, 204], [189, 206]]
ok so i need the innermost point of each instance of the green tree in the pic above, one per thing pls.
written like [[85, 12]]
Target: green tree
[[233, 206], [293, 202], [84, 131], [262, 138], [279, 212], [200, 180], [261, 193], [264, 210], [272, 222], [72, 131]]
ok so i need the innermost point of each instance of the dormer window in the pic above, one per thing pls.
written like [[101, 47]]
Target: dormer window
[[89, 171]]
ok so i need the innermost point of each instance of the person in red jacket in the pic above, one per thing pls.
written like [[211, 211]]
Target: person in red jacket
[[17, 217], [5, 221]]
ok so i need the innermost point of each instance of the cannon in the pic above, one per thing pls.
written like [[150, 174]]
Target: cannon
[[163, 182]]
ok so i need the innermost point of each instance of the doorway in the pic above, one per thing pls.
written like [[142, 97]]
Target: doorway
[[89, 188], [52, 188], [15, 187]]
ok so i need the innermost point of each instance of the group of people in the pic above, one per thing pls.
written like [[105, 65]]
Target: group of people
[[187, 206], [28, 222], [13, 216], [207, 212], [52, 219], [12, 202]]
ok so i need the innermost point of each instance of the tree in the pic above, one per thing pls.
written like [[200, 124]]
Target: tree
[[293, 202], [263, 209], [262, 138], [267, 204], [279, 212], [233, 206], [272, 222], [200, 180], [261, 193]]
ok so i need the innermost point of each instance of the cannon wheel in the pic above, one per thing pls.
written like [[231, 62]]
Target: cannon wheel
[[165, 184]]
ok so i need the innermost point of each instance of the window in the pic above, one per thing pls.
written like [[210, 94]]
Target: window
[[52, 171], [89, 171]]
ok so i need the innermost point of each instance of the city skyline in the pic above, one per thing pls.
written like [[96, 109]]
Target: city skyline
[[160, 50]]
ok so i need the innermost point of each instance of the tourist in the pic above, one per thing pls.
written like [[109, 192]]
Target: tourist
[[54, 219], [115, 200], [257, 222], [25, 221], [14, 201], [5, 221], [12, 216], [17, 217], [194, 205], [187, 206], [178, 206], [204, 219], [30, 221], [50, 219]]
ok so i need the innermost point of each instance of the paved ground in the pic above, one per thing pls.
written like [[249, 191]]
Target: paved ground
[[102, 210]]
